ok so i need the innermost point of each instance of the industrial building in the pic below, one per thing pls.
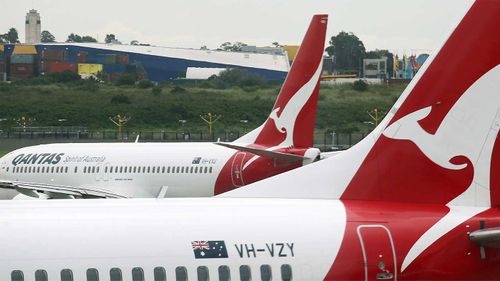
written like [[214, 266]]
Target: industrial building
[[19, 61]]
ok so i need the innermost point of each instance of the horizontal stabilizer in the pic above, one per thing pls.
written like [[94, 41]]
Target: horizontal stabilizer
[[488, 237], [265, 153], [30, 188]]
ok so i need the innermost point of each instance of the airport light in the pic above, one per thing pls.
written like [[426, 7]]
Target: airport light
[[120, 121], [25, 122], [376, 115], [210, 119]]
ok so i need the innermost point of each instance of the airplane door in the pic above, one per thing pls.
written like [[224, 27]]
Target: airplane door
[[237, 169], [378, 252]]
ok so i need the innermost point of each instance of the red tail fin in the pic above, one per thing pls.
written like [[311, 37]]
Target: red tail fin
[[292, 120], [437, 143]]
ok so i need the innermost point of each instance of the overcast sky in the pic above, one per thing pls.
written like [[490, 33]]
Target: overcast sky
[[402, 26]]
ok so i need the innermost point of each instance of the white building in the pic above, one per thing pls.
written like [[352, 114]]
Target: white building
[[33, 27]]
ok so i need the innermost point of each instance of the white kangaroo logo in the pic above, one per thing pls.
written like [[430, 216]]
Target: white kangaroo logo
[[469, 129], [285, 123]]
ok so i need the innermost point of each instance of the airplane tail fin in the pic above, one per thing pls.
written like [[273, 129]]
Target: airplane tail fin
[[292, 119], [439, 142]]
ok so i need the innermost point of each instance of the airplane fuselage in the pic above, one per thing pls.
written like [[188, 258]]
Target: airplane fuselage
[[314, 239], [140, 169]]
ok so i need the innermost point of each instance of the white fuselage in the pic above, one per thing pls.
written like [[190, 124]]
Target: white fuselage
[[128, 169], [148, 233]]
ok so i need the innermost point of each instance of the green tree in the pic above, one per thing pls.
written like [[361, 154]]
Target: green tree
[[47, 37], [230, 47], [347, 51], [378, 54], [110, 38], [88, 39], [74, 38], [11, 36]]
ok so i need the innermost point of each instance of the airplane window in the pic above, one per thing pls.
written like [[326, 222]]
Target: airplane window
[[203, 273], [191, 170], [205, 170], [154, 169], [196, 170], [224, 273], [66, 169], [130, 169], [84, 169], [121, 169], [57, 169], [29, 169], [17, 275], [177, 169], [105, 169], [52, 169], [8, 168], [76, 169], [158, 169], [265, 272], [210, 170], [125, 169], [115, 274], [111, 169], [143, 170], [14, 170], [245, 273], [41, 275], [135, 169], [43, 169], [160, 274], [92, 274], [286, 272], [137, 274], [92, 169], [181, 273], [149, 169], [37, 169], [162, 170], [182, 170], [66, 275]]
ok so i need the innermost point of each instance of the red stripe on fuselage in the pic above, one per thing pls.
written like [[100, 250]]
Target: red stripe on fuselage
[[453, 257]]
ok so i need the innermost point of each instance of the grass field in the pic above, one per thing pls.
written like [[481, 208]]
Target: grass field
[[340, 108]]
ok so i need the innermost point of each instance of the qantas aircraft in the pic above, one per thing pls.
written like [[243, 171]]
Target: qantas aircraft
[[117, 170], [418, 199]]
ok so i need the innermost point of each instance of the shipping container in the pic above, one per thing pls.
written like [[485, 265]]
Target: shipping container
[[114, 68], [88, 68], [81, 57], [122, 59], [24, 50], [22, 59], [54, 55], [60, 67], [101, 59]]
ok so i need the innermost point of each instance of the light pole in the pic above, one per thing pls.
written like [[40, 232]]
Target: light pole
[[119, 121], [25, 122], [376, 115], [210, 119]]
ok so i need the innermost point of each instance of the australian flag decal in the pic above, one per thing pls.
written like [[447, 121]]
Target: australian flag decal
[[209, 249]]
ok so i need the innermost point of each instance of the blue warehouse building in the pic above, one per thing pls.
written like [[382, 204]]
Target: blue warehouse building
[[160, 63]]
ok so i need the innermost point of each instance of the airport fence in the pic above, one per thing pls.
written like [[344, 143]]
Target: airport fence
[[326, 141]]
